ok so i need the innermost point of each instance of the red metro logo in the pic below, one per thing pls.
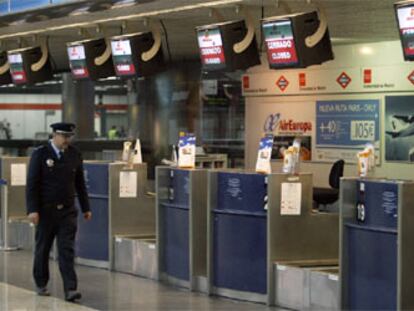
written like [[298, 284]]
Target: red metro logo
[[282, 83], [343, 80]]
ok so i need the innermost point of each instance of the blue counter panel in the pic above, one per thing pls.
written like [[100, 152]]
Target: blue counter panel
[[239, 252], [96, 178], [180, 183], [176, 246], [242, 192], [372, 276], [381, 202], [93, 236]]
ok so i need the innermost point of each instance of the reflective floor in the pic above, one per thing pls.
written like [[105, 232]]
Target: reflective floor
[[101, 290]]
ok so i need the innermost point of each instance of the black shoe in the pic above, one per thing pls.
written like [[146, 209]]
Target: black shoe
[[42, 291], [72, 295]]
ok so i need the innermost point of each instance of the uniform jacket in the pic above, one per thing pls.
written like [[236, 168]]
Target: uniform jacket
[[52, 181]]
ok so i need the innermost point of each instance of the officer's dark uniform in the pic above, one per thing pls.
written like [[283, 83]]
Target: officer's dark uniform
[[51, 186]]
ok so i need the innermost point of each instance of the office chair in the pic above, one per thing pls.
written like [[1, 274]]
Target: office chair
[[325, 196]]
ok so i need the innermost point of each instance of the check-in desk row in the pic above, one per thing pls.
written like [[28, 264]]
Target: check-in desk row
[[222, 232], [257, 251], [121, 234], [244, 235]]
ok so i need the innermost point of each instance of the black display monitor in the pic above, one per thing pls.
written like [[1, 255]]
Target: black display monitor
[[285, 41], [122, 57], [211, 48], [82, 60], [405, 17], [280, 43], [5, 78], [77, 61], [21, 62], [216, 44], [127, 57]]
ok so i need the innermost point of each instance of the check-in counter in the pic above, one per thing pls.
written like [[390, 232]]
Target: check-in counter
[[237, 235], [377, 238], [13, 170], [181, 226], [121, 211], [250, 233]]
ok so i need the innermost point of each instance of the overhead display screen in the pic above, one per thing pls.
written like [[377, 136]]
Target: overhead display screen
[[17, 69], [211, 47], [77, 61], [280, 43], [122, 57], [405, 16]]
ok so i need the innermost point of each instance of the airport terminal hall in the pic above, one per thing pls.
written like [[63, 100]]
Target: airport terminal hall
[[206, 155]]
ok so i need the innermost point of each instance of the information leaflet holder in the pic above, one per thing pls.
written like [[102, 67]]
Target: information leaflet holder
[[376, 246], [182, 226]]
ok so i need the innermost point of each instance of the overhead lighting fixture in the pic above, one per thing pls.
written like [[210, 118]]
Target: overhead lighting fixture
[[366, 50]]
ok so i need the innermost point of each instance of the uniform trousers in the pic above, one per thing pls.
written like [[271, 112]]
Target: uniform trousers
[[62, 224]]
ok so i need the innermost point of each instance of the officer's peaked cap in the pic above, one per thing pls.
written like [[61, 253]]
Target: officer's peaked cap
[[63, 128]]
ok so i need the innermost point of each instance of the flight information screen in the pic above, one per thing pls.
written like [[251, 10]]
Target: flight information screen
[[77, 61], [17, 69], [210, 44], [280, 43], [122, 57], [405, 17]]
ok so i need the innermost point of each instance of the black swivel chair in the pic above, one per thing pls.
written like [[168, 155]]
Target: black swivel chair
[[325, 196]]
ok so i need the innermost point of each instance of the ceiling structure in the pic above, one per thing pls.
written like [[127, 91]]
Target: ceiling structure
[[350, 21]]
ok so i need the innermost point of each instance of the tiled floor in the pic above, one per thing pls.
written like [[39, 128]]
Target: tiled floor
[[102, 290]]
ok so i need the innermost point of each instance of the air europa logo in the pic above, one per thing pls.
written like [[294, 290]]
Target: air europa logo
[[274, 123]]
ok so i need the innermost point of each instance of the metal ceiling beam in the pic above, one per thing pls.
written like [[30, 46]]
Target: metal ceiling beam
[[216, 3]]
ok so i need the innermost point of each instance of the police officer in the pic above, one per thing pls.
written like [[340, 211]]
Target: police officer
[[55, 172]]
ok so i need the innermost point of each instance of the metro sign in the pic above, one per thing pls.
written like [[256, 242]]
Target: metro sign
[[343, 80], [282, 83], [411, 77]]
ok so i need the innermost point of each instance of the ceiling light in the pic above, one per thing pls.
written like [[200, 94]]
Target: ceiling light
[[366, 50]]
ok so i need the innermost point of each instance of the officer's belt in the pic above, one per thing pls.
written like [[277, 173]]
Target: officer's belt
[[56, 206]]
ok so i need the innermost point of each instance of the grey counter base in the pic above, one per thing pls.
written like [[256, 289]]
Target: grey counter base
[[92, 263], [136, 256], [239, 295]]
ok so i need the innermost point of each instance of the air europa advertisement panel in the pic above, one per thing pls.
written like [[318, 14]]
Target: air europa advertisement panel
[[343, 127], [211, 47]]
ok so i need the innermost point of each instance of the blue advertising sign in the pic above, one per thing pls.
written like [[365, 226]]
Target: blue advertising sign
[[21, 5], [346, 125], [4, 7]]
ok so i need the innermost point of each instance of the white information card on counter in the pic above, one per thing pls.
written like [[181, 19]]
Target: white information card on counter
[[128, 184], [291, 199]]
